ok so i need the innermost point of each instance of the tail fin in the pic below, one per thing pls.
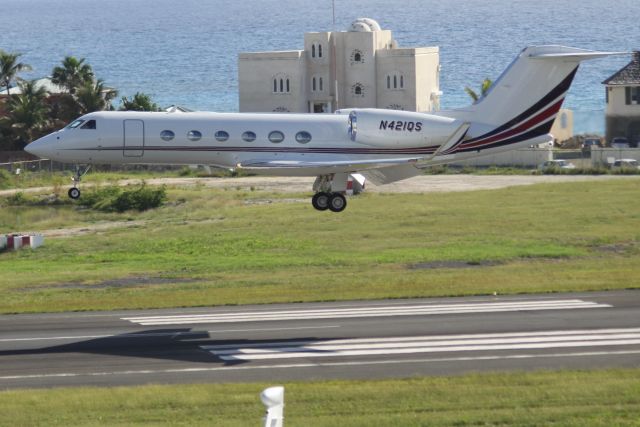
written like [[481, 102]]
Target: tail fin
[[524, 100]]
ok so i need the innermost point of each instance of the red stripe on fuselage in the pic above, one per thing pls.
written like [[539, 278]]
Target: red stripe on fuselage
[[520, 129]]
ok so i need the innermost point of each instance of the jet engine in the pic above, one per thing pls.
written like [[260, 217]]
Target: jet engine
[[391, 128]]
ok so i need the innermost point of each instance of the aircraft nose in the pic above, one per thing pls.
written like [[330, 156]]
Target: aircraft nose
[[41, 147]]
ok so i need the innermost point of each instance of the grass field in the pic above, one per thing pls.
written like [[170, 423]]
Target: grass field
[[238, 247], [566, 398]]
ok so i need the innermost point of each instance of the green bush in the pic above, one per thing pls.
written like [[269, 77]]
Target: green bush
[[18, 199], [116, 199], [6, 179]]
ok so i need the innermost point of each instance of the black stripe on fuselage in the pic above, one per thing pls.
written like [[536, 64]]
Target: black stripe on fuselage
[[284, 150], [543, 129]]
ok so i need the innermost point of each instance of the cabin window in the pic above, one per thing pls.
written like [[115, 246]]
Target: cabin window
[[75, 124], [303, 137], [91, 124], [276, 136], [249, 136], [167, 135], [221, 136], [194, 135]]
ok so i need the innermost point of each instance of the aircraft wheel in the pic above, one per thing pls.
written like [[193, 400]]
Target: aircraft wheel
[[320, 201], [74, 193], [337, 202]]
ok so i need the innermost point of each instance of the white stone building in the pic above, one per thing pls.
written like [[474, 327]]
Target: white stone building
[[362, 67]]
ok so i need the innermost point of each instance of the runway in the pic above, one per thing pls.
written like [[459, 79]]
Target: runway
[[278, 343]]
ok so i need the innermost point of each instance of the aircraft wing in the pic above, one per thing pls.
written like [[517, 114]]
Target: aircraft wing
[[340, 164]]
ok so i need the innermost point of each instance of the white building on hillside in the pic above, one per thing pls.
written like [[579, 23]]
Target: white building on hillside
[[362, 67]]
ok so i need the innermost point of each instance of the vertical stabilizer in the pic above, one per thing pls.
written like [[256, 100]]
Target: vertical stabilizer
[[522, 103]]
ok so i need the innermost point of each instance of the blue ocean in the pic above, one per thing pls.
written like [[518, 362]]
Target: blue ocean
[[185, 51]]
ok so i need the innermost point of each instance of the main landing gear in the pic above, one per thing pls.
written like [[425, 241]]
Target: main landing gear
[[335, 202], [74, 192], [329, 192]]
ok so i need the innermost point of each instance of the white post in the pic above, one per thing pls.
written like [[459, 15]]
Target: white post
[[273, 399]]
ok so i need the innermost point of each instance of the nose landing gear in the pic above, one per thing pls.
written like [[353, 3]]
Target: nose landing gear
[[74, 192]]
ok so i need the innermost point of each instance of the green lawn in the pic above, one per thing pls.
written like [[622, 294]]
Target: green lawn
[[228, 247], [564, 398]]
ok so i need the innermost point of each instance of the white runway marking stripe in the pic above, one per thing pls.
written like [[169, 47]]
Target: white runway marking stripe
[[374, 311], [304, 365], [428, 344]]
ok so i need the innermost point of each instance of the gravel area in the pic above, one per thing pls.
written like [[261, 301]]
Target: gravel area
[[418, 184]]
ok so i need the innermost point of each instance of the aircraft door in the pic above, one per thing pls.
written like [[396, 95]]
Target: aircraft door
[[133, 138]]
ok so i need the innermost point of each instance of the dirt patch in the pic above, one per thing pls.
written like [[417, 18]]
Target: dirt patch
[[127, 282], [452, 264], [616, 248], [270, 201]]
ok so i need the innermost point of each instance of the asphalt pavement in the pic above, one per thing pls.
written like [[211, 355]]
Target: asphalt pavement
[[284, 342]]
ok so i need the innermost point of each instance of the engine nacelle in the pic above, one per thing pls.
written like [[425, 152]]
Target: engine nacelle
[[391, 128]]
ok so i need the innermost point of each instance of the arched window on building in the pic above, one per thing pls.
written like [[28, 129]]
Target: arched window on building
[[395, 81], [357, 89], [319, 50], [357, 57], [313, 50], [320, 86], [281, 83], [563, 120], [313, 84]]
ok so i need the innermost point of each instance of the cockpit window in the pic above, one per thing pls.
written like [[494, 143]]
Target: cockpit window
[[91, 124], [75, 124]]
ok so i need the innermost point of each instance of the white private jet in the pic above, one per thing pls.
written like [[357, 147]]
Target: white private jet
[[383, 145]]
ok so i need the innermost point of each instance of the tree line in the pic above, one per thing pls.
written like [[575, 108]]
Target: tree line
[[32, 112]]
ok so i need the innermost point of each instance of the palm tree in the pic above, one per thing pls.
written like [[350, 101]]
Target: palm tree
[[73, 74], [139, 102], [10, 67], [94, 96], [27, 112], [486, 84]]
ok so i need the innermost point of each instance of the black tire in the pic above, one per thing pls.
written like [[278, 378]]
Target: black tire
[[320, 201], [74, 193], [337, 202]]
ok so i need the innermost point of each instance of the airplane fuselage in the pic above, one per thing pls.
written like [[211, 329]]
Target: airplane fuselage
[[232, 140]]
